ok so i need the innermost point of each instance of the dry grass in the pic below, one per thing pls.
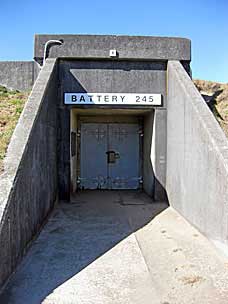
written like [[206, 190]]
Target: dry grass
[[11, 106], [220, 107], [191, 280]]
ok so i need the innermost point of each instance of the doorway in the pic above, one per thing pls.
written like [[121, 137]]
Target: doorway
[[110, 156]]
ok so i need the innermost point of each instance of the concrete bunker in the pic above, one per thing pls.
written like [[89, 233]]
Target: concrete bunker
[[46, 161], [183, 150], [111, 83]]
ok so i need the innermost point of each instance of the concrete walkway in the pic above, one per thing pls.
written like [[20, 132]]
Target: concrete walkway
[[118, 247]]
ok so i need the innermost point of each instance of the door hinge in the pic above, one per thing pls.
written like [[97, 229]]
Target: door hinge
[[141, 133], [78, 133]]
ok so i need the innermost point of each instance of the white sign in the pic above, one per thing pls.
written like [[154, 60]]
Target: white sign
[[113, 99]]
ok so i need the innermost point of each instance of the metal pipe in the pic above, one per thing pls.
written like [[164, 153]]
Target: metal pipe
[[47, 44]]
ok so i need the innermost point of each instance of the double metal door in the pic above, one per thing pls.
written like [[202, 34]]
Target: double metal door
[[109, 157]]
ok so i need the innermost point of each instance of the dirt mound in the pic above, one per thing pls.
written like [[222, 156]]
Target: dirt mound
[[216, 95]]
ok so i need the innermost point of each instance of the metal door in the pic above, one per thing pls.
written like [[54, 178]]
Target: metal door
[[124, 172], [109, 156], [94, 140]]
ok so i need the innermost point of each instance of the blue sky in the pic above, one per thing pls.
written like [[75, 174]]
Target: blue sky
[[205, 22]]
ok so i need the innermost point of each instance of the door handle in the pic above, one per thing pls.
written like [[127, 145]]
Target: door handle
[[112, 156]]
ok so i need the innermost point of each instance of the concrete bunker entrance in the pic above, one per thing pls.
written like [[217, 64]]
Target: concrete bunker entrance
[[111, 149], [123, 89]]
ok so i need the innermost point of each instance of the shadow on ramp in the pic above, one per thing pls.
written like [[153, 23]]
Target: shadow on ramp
[[76, 235]]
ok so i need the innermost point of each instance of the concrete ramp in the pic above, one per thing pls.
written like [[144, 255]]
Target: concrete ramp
[[117, 247]]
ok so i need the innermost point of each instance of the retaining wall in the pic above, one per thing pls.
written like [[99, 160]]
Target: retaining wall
[[197, 157], [18, 75], [28, 185]]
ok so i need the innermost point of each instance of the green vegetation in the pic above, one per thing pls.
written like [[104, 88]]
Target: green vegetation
[[11, 106]]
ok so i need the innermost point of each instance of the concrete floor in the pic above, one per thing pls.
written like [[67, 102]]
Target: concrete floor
[[118, 247]]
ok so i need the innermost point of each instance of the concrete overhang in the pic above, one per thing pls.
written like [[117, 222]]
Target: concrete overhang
[[127, 47]]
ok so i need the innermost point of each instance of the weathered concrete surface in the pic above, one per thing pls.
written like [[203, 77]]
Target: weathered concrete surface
[[197, 158], [128, 47], [148, 170], [158, 153], [154, 154], [118, 247], [18, 75], [28, 185]]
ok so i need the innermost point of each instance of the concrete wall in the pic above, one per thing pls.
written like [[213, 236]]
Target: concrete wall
[[158, 153], [73, 145], [154, 155], [148, 170], [197, 157], [128, 47], [18, 75], [28, 185], [111, 77]]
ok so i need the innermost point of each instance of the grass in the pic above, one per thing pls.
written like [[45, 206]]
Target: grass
[[11, 106]]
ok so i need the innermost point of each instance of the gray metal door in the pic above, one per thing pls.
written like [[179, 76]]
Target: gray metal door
[[109, 156], [94, 140], [124, 172]]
